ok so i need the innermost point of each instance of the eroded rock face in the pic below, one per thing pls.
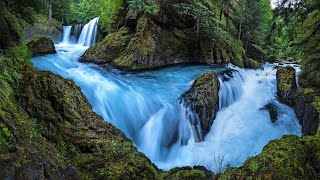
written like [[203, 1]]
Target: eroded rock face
[[167, 38], [96, 149], [286, 85], [40, 45], [307, 109], [147, 46], [202, 99]]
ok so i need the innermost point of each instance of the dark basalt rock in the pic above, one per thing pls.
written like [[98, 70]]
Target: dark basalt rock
[[286, 84], [202, 100], [306, 110], [40, 45], [272, 109]]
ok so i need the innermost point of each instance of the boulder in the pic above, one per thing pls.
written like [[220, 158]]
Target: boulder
[[40, 45], [202, 99], [286, 85], [273, 112]]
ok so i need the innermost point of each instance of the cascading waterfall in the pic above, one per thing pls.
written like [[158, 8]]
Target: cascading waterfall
[[66, 34], [145, 107], [230, 88], [88, 35], [81, 35]]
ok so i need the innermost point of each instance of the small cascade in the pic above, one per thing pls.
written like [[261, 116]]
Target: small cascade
[[88, 34], [230, 88], [66, 34], [84, 35]]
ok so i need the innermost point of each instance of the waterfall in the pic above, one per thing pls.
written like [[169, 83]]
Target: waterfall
[[145, 107], [84, 35], [230, 88], [88, 34], [66, 34]]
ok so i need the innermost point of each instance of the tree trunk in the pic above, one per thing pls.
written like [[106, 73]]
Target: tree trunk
[[240, 29], [49, 11]]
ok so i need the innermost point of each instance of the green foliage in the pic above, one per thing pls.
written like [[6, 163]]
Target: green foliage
[[138, 7], [254, 166], [83, 11], [5, 134], [297, 29], [212, 28]]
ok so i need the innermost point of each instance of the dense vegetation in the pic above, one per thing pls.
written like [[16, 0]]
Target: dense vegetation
[[242, 29]]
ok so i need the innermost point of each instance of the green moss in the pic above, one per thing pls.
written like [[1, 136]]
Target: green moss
[[183, 174], [41, 45], [287, 158], [250, 63]]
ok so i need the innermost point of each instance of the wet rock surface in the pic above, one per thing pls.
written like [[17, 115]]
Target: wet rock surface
[[202, 100]]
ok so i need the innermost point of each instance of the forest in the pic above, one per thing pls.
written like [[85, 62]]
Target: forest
[[160, 89]]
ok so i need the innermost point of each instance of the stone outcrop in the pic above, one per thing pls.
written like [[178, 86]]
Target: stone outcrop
[[96, 149], [288, 158], [147, 42], [306, 102], [307, 109], [286, 85], [202, 99], [40, 45]]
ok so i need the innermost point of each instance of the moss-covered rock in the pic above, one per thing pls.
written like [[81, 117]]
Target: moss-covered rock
[[250, 63], [41, 45], [64, 117], [186, 173], [109, 48], [152, 41], [307, 109], [287, 158], [203, 100], [286, 84]]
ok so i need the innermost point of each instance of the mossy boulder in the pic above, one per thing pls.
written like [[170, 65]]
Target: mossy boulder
[[286, 84], [109, 48], [202, 99], [40, 45]]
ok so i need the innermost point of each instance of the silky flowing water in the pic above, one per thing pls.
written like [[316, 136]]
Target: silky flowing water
[[146, 108]]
